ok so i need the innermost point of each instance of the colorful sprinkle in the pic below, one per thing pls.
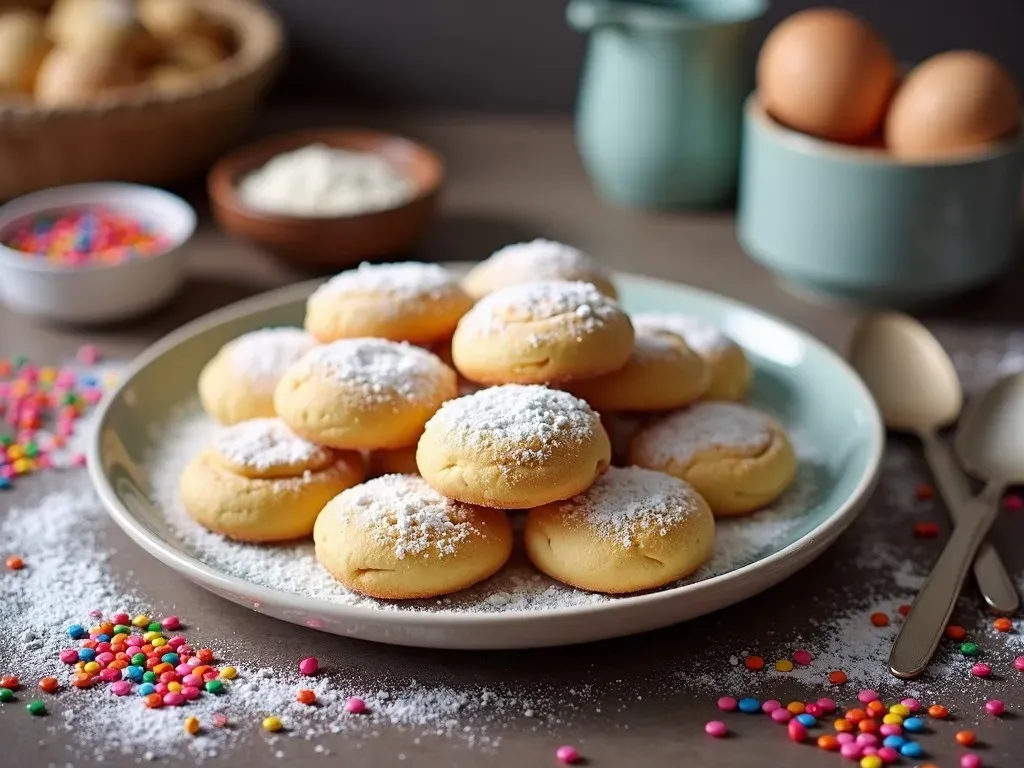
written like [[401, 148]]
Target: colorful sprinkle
[[826, 704], [309, 666], [806, 720], [912, 705], [904, 610], [797, 731], [192, 725], [272, 723], [14, 563], [49, 684], [1013, 502], [970, 760], [828, 742], [965, 738], [753, 662], [796, 707], [981, 669], [879, 619], [770, 706], [716, 729], [1018, 663], [851, 751], [355, 706], [783, 665], [803, 658], [995, 707], [912, 750], [305, 696], [727, 703], [6, 695], [36, 707], [938, 711], [837, 677], [888, 755], [749, 706], [781, 715], [867, 695], [955, 632], [969, 649], [567, 754], [928, 530], [913, 725]]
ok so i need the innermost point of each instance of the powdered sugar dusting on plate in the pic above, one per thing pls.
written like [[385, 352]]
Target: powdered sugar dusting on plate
[[682, 435], [700, 335], [628, 501], [580, 303], [403, 511], [264, 444], [402, 280], [542, 260], [263, 356]]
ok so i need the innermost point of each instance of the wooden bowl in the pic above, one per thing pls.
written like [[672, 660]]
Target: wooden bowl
[[329, 241]]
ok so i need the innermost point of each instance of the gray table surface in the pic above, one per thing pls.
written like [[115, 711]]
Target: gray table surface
[[511, 179]]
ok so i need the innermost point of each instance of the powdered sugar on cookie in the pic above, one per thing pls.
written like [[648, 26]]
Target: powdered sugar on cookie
[[264, 444], [626, 501], [682, 435], [700, 335], [580, 302], [263, 356], [401, 280], [403, 510], [543, 260]]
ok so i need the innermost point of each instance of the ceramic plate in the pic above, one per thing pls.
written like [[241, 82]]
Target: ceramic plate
[[836, 428]]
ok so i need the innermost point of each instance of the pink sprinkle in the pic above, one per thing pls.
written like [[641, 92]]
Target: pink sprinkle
[[105, 657], [92, 396], [867, 739], [183, 669], [912, 704], [66, 378], [192, 662], [77, 460], [356, 706], [219, 719], [121, 688], [970, 761], [120, 618], [797, 732], [171, 623], [1013, 502], [174, 699], [714, 728], [890, 729], [89, 354], [869, 749], [195, 680], [211, 675], [803, 658], [567, 754], [70, 656], [846, 738], [309, 666], [814, 710], [109, 675], [851, 750], [995, 707], [781, 715], [169, 677], [727, 703], [161, 688], [190, 692], [888, 755], [135, 641], [177, 641], [770, 706], [102, 648], [981, 669], [1018, 663], [827, 705], [867, 696]]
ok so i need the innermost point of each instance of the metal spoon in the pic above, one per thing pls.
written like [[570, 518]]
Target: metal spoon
[[990, 443], [917, 390]]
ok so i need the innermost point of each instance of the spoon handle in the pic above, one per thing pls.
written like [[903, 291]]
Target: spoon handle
[[993, 581], [921, 631]]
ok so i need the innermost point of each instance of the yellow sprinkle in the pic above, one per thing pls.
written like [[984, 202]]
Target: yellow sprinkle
[[174, 686], [892, 719], [91, 667], [900, 709], [272, 723], [228, 673], [192, 725], [871, 761], [47, 374], [151, 636], [784, 665], [79, 666], [140, 621], [159, 642]]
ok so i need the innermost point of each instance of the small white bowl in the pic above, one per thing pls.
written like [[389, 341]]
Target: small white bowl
[[103, 292]]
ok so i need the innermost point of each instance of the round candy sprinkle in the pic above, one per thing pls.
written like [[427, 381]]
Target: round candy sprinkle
[[749, 706], [893, 719], [214, 687], [938, 711], [871, 761], [955, 632], [770, 706], [913, 725], [36, 707], [970, 761], [851, 751], [305, 696], [904, 610], [272, 723], [170, 623], [843, 725], [828, 742], [6, 695], [867, 695], [49, 684], [827, 705], [727, 703], [9, 681], [192, 725], [783, 665], [981, 669], [1002, 624], [796, 707], [154, 701], [879, 619], [219, 719], [874, 708], [890, 729], [14, 563], [813, 709], [228, 673], [781, 715], [753, 662], [846, 738], [355, 706], [855, 715], [995, 707], [893, 741], [309, 666], [965, 738], [912, 750], [803, 658], [900, 709], [121, 688], [926, 530], [912, 705], [969, 649], [867, 726], [797, 731], [888, 755], [76, 632], [1018, 663], [806, 720], [716, 729], [867, 740], [567, 754], [837, 677]]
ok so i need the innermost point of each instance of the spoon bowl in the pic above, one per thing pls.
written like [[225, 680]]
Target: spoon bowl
[[990, 441]]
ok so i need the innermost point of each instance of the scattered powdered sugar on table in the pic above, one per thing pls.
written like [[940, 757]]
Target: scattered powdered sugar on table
[[264, 444], [586, 306], [700, 335], [542, 260], [400, 281], [263, 356], [677, 438]]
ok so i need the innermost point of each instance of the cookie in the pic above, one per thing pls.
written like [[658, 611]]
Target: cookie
[[396, 538], [260, 482], [513, 447], [364, 394], [738, 458], [662, 374], [405, 301], [634, 529], [730, 371], [238, 382], [393, 461], [535, 261], [541, 333]]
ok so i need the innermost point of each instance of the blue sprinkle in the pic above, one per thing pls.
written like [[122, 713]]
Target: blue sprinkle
[[894, 741], [170, 658], [750, 706], [912, 750], [133, 673], [102, 638], [77, 632], [146, 688], [5, 484], [806, 720], [86, 654], [87, 380], [913, 724]]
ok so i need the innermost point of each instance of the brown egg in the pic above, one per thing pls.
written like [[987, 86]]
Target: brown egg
[[951, 104], [22, 48], [826, 73]]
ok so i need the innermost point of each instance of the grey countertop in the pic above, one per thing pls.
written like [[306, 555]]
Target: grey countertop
[[636, 701]]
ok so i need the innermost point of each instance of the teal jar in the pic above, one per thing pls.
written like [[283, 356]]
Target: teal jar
[[661, 99]]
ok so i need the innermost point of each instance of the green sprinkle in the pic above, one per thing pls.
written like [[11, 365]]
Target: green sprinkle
[[969, 649], [139, 659], [149, 677], [121, 629], [36, 707], [154, 627], [214, 686], [69, 399], [31, 450], [6, 694], [6, 441], [19, 361]]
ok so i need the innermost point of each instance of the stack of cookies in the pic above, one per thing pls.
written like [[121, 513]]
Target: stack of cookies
[[466, 401]]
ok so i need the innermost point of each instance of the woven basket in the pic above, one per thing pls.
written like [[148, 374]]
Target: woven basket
[[140, 135]]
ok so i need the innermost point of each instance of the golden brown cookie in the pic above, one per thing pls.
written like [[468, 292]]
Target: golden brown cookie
[[536, 261]]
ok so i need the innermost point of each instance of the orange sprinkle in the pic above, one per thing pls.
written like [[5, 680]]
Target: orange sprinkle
[[49, 685], [163, 667], [965, 738], [867, 726], [874, 707], [14, 563], [956, 632], [842, 725], [205, 655], [10, 682], [305, 696], [106, 628], [924, 491], [837, 677], [903, 610], [828, 742], [154, 700], [83, 680], [855, 715], [751, 662], [1003, 624], [796, 707], [938, 711], [118, 664], [879, 619]]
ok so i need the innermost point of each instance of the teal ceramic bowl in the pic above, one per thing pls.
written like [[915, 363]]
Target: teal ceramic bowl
[[834, 422], [857, 225]]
